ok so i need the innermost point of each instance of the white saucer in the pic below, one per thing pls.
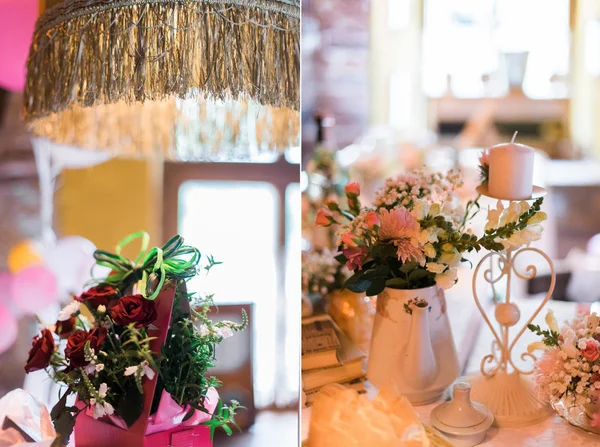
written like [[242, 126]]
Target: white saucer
[[537, 192]]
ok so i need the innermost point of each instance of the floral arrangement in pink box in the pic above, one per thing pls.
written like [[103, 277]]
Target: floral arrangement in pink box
[[415, 234], [135, 350], [569, 367]]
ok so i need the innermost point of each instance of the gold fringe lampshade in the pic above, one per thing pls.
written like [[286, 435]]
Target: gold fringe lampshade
[[211, 80]]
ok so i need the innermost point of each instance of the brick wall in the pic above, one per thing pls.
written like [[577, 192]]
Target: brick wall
[[335, 58]]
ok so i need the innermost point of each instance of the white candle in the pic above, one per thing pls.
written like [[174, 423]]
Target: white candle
[[511, 171]]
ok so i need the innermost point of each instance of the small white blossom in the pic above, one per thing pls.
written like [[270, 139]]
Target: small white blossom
[[225, 332], [101, 309], [145, 370], [204, 330], [68, 311], [99, 367], [90, 368], [102, 390]]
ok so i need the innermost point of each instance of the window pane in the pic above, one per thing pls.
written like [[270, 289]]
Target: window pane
[[236, 222]]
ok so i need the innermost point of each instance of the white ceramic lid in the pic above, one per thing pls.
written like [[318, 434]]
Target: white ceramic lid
[[460, 416]]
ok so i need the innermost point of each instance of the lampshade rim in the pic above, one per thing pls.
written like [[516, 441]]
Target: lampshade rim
[[68, 10]]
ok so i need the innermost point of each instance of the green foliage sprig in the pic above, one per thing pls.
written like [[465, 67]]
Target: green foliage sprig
[[550, 336]]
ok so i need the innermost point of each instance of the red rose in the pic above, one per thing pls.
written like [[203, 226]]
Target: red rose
[[99, 295], [75, 350], [41, 352], [64, 328], [134, 309]]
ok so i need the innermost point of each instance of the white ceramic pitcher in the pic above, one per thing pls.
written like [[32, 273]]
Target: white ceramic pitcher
[[412, 349]]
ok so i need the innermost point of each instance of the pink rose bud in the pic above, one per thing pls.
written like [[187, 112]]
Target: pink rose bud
[[353, 189], [591, 351], [324, 217], [348, 240], [372, 219]]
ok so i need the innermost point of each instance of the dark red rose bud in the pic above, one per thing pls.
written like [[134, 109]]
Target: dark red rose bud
[[41, 352], [102, 294], [75, 350], [64, 328], [134, 309]]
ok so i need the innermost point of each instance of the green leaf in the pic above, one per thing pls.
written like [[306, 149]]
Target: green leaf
[[64, 425], [188, 415], [397, 283], [376, 287], [59, 408], [342, 259], [418, 274], [381, 271], [359, 286], [408, 267]]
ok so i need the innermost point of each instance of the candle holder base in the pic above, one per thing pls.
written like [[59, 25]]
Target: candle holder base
[[536, 193], [511, 398]]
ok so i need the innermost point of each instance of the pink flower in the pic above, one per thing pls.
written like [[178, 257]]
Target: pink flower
[[549, 363], [353, 189], [355, 256], [348, 240], [591, 351], [324, 217], [400, 227], [372, 219]]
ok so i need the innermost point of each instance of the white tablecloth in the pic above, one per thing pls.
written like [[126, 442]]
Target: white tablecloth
[[473, 340]]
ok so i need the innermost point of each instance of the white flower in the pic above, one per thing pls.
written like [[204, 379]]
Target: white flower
[[102, 390], [68, 311], [204, 330], [225, 332], [108, 408], [435, 267], [450, 258], [101, 309], [494, 215], [447, 279], [420, 209], [99, 367], [429, 251], [145, 370], [536, 346], [100, 410], [551, 321], [90, 368]]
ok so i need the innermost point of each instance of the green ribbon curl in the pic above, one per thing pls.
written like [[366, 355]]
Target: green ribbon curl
[[153, 266]]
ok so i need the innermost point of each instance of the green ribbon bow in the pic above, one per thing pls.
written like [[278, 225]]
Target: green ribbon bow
[[152, 266]]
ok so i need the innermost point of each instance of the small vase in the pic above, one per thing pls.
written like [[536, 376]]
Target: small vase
[[354, 313], [412, 348], [590, 409]]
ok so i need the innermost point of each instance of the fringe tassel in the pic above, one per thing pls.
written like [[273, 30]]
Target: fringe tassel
[[92, 65]]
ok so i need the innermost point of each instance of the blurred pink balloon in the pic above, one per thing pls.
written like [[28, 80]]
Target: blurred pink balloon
[[33, 289], [8, 323], [17, 20], [5, 286], [71, 260]]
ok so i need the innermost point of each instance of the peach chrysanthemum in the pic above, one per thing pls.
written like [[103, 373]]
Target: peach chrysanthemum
[[400, 227], [547, 366]]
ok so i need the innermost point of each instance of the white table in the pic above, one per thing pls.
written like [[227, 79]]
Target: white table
[[473, 341]]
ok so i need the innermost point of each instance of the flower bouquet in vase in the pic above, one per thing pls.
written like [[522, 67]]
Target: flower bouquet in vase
[[133, 352], [406, 248], [567, 374]]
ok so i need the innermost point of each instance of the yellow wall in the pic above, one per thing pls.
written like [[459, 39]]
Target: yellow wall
[[105, 203]]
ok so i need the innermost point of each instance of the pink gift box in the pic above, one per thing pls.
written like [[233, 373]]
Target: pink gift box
[[165, 428]]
